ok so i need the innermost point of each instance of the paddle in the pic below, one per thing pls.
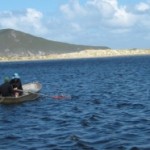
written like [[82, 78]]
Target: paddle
[[56, 97]]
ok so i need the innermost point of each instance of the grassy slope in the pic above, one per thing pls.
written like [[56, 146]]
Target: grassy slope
[[14, 42]]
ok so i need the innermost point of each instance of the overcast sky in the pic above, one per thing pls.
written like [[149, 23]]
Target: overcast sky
[[113, 23]]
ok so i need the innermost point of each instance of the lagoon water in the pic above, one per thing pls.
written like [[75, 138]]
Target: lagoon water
[[109, 107]]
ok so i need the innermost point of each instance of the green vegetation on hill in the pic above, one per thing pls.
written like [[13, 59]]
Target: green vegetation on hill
[[16, 43]]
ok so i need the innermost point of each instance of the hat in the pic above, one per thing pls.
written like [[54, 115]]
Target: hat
[[16, 75]]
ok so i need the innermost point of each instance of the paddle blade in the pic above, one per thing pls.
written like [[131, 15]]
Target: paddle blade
[[61, 97]]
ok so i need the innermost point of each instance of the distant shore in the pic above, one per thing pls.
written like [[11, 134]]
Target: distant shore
[[81, 54]]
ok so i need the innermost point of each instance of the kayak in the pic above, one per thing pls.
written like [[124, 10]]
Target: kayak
[[30, 92]]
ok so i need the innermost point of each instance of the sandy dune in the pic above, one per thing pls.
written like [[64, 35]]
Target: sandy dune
[[81, 54]]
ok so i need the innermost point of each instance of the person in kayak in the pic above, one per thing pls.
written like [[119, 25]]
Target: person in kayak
[[6, 88], [17, 85]]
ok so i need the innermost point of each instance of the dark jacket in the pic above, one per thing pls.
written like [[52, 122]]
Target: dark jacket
[[6, 89], [16, 83]]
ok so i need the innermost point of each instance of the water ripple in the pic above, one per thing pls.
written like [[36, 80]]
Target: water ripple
[[109, 107]]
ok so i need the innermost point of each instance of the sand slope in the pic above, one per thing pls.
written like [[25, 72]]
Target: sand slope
[[81, 54]]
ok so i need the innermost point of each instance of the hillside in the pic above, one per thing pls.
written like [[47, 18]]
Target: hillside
[[16, 43]]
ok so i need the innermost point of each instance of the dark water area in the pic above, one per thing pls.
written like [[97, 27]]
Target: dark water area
[[109, 107]]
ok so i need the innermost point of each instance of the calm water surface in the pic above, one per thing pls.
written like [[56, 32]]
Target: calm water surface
[[109, 107]]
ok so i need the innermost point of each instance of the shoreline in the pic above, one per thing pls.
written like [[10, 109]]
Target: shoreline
[[79, 55]]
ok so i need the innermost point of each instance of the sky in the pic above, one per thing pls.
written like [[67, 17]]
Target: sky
[[118, 24]]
